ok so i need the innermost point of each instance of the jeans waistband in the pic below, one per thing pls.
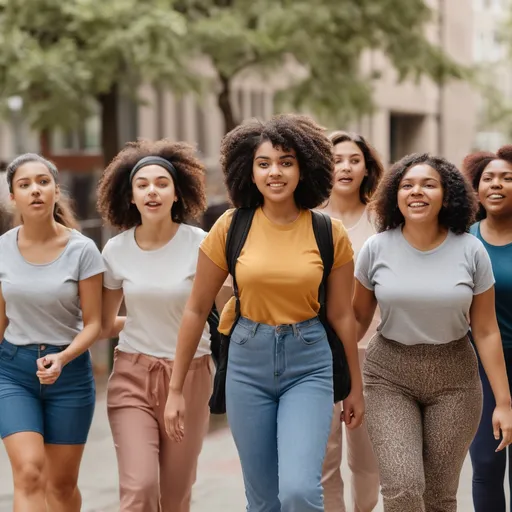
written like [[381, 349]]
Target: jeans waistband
[[281, 328], [35, 347]]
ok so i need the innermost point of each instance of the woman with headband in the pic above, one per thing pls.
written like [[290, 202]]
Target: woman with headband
[[357, 172], [148, 192], [50, 314]]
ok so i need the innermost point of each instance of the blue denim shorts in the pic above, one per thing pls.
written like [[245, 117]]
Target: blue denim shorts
[[61, 412]]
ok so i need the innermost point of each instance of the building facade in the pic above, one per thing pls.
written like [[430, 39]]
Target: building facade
[[408, 117], [491, 56]]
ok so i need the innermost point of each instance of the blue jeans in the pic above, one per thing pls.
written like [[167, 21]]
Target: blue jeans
[[489, 466], [61, 412], [279, 399]]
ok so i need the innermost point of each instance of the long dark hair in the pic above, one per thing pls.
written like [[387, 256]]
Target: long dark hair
[[372, 162], [63, 212]]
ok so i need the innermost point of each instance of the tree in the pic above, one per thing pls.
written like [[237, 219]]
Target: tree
[[326, 38], [62, 56]]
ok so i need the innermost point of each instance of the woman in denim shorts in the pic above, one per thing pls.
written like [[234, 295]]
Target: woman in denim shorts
[[50, 314]]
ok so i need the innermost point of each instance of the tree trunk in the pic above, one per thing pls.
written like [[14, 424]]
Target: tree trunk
[[109, 124], [224, 102], [110, 146]]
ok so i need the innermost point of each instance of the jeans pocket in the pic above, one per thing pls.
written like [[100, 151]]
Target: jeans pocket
[[240, 335], [7, 351], [83, 361], [312, 334]]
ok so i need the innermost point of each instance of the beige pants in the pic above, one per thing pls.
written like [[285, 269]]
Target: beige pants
[[361, 461], [155, 474]]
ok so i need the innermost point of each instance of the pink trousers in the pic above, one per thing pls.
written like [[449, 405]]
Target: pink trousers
[[155, 474], [361, 461]]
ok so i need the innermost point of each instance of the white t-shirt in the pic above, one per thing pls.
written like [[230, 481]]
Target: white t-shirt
[[424, 296], [42, 301], [156, 286], [361, 231]]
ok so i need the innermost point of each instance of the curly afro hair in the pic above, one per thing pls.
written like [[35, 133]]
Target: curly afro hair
[[115, 190], [287, 131], [459, 204], [474, 165], [372, 162]]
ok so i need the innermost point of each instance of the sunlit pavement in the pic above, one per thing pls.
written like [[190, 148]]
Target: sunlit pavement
[[219, 485]]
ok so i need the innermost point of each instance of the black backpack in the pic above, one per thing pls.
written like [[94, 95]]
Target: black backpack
[[236, 237]]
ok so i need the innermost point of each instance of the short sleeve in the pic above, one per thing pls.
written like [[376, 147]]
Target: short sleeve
[[362, 272], [91, 262], [483, 277], [214, 244], [110, 280], [343, 251]]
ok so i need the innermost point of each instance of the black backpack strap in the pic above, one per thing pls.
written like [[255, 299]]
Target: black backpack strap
[[235, 241], [322, 227]]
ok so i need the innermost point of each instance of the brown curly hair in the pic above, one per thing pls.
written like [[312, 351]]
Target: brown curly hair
[[115, 190], [474, 165], [287, 131], [459, 203], [372, 162]]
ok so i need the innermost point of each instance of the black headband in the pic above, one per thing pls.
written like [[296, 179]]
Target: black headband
[[155, 160]]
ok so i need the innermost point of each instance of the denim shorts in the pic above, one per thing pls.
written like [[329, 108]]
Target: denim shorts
[[61, 412]]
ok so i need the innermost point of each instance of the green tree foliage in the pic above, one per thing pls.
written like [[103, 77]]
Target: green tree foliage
[[60, 55], [327, 39]]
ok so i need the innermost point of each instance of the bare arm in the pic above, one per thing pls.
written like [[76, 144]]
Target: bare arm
[[225, 293], [486, 334], [89, 291], [207, 283], [4, 321], [111, 324], [364, 305]]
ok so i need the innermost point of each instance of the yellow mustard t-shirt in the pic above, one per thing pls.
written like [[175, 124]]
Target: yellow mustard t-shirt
[[279, 269]]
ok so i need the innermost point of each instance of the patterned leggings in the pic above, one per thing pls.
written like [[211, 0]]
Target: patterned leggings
[[424, 404]]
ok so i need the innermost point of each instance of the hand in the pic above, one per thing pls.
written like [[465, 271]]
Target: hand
[[174, 416], [502, 420], [353, 409], [49, 368]]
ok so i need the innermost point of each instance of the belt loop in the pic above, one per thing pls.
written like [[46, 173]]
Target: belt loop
[[254, 329], [295, 330], [136, 358]]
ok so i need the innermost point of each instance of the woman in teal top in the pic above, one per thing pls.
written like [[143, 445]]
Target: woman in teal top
[[491, 175]]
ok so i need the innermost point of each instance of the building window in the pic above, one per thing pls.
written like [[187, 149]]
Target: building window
[[201, 129], [85, 138], [180, 127], [258, 104]]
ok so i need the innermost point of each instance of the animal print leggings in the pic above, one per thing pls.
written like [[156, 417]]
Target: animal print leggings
[[423, 407]]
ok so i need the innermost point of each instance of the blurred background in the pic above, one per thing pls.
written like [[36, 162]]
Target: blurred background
[[80, 78]]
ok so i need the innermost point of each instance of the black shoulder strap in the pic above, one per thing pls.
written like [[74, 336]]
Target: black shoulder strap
[[237, 235], [322, 227]]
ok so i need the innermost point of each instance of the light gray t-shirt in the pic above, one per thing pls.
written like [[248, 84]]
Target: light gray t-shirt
[[424, 296], [41, 301]]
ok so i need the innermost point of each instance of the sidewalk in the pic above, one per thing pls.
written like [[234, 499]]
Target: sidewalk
[[219, 486]]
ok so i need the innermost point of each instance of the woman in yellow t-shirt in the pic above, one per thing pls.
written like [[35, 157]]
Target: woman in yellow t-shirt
[[279, 390]]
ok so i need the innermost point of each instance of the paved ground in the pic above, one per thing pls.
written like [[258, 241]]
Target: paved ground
[[219, 486]]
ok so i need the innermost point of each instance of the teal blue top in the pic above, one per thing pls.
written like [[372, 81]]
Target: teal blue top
[[501, 260]]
